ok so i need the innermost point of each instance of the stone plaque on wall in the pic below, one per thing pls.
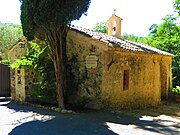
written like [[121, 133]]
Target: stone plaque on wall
[[91, 61]]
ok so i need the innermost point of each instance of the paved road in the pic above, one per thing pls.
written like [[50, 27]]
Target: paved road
[[23, 120]]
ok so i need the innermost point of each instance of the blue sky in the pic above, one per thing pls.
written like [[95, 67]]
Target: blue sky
[[138, 15]]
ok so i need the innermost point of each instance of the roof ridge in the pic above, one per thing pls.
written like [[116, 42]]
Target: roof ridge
[[120, 42]]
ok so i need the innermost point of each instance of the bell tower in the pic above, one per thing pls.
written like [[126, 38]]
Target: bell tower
[[114, 25]]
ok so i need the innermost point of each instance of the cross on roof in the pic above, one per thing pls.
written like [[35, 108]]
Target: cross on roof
[[114, 11]]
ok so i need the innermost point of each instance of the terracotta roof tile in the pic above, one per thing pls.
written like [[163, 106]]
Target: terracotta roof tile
[[119, 42]]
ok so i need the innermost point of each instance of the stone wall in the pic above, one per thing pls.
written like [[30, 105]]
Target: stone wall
[[84, 85], [144, 79], [21, 80], [103, 86]]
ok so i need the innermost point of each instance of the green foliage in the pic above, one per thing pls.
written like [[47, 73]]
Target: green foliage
[[176, 90], [32, 57], [40, 17], [101, 27], [6, 61], [9, 35], [43, 86], [166, 36], [43, 89], [177, 6]]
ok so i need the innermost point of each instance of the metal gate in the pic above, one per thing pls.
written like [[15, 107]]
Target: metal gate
[[4, 81]]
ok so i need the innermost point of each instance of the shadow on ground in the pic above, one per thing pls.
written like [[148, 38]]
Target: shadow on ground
[[90, 123]]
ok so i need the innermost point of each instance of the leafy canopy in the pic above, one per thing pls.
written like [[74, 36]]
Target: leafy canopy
[[40, 16], [165, 36], [32, 56], [43, 80]]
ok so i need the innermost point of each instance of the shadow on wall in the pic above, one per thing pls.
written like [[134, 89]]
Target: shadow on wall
[[90, 123]]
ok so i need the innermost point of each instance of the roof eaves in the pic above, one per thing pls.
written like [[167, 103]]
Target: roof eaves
[[119, 42]]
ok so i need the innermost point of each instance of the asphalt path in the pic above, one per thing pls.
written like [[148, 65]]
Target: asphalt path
[[18, 119]]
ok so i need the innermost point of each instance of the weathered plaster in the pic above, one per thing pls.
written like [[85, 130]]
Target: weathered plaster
[[144, 85], [147, 83]]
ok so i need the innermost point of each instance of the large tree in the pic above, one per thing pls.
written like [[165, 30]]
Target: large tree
[[48, 20], [165, 36]]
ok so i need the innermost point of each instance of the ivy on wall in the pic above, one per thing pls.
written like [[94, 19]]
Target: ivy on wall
[[43, 85]]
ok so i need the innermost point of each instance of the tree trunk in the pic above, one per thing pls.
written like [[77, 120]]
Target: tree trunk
[[57, 51], [60, 83]]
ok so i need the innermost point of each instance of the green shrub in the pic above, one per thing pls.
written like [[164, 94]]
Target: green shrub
[[43, 86], [176, 90], [5, 61]]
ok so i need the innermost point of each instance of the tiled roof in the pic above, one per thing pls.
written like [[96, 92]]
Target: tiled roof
[[20, 41], [119, 42]]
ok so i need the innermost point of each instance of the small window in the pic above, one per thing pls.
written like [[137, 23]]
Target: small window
[[18, 71], [126, 80], [19, 80]]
